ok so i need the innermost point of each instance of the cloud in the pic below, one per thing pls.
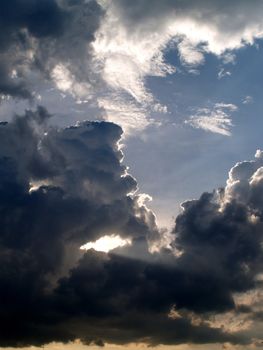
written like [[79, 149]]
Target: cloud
[[59, 189], [211, 21], [62, 188], [124, 111], [223, 73], [189, 54], [125, 60], [217, 120], [20, 21], [134, 37], [102, 52], [29, 45], [248, 100], [220, 238]]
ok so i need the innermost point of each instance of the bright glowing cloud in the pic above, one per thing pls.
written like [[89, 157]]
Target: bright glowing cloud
[[106, 243]]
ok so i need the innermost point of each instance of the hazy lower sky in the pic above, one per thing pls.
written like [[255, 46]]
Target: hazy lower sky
[[131, 130]]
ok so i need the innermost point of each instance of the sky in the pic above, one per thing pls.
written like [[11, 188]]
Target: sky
[[131, 174]]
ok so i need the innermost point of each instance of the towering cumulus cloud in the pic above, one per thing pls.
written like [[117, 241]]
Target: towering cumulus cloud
[[62, 188], [59, 189]]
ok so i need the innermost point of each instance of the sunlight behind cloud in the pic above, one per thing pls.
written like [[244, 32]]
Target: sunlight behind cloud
[[106, 243]]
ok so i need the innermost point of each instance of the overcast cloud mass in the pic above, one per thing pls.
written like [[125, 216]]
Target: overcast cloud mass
[[82, 84]]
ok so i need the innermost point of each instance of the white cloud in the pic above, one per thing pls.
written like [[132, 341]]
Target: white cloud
[[248, 100], [125, 112], [106, 243], [65, 81], [124, 61], [217, 119], [130, 43], [226, 106], [223, 73], [220, 26], [229, 57], [190, 54]]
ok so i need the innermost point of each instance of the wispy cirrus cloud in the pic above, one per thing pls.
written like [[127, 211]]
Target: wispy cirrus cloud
[[216, 119]]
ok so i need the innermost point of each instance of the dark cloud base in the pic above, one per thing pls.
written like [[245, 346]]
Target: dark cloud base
[[62, 188]]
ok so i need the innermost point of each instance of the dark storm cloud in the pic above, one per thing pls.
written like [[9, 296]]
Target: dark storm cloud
[[82, 196], [36, 35], [62, 188], [220, 239]]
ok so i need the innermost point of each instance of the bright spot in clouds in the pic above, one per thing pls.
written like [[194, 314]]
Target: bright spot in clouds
[[106, 243]]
